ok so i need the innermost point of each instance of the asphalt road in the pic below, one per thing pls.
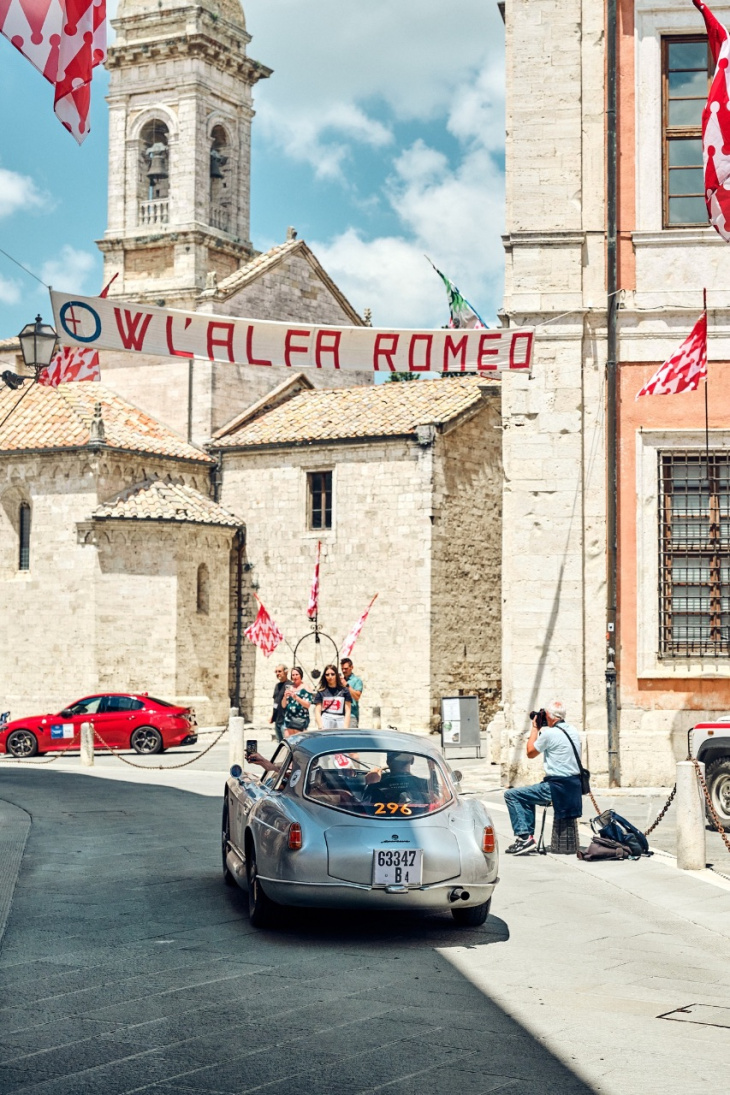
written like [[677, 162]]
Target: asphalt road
[[128, 966]]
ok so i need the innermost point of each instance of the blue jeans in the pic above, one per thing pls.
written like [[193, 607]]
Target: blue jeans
[[521, 803]]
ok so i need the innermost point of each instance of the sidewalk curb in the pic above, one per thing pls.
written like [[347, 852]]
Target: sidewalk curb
[[659, 856], [14, 828]]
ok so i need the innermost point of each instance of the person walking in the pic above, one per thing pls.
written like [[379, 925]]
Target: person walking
[[277, 715], [332, 704], [560, 746], [355, 686], [296, 703]]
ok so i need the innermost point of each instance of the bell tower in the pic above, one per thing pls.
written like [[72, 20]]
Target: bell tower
[[180, 111]]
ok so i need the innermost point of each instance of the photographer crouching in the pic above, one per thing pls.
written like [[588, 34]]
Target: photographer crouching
[[560, 746]]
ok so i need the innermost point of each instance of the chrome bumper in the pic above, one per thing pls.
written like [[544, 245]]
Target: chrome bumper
[[350, 895]]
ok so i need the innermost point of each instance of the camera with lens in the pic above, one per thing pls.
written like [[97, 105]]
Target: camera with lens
[[540, 716]]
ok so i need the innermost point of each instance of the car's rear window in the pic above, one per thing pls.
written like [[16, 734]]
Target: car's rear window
[[373, 783], [160, 703]]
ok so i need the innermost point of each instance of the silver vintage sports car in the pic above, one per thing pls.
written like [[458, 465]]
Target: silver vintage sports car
[[358, 819]]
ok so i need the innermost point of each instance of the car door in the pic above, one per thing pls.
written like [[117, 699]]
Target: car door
[[65, 728], [117, 719]]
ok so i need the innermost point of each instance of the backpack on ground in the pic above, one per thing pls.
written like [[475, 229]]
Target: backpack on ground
[[611, 826], [602, 848]]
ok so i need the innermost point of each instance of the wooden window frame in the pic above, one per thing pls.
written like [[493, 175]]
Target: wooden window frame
[[325, 492], [670, 133]]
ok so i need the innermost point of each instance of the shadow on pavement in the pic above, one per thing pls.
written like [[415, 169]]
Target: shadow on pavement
[[127, 965]]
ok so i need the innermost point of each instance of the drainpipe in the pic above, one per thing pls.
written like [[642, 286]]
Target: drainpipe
[[614, 771], [240, 548]]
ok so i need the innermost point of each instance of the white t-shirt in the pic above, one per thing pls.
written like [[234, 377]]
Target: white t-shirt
[[557, 754]]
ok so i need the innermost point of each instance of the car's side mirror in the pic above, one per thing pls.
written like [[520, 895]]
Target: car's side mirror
[[66, 713], [236, 771], [457, 776]]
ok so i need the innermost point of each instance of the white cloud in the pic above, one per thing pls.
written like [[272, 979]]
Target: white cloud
[[19, 192], [69, 270], [386, 65], [408, 59], [10, 291]]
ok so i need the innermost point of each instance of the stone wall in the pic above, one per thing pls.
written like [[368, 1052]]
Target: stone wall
[[554, 560], [380, 543], [466, 602], [110, 605]]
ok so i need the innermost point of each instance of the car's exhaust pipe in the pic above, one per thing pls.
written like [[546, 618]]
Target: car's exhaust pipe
[[458, 894]]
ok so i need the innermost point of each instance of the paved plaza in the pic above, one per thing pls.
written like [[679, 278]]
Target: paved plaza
[[127, 966]]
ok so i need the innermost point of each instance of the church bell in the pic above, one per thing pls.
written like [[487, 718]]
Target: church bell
[[157, 155], [217, 161]]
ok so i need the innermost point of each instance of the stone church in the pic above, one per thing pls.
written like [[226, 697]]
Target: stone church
[[139, 516]]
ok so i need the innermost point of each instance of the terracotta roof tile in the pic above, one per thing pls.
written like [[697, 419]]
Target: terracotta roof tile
[[166, 500], [60, 418], [382, 410]]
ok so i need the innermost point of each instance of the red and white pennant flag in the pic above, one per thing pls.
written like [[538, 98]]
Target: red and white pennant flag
[[65, 40], [263, 632], [716, 126], [346, 648], [313, 606], [71, 363], [684, 370]]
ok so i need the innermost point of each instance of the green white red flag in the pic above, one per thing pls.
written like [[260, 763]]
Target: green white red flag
[[461, 313]]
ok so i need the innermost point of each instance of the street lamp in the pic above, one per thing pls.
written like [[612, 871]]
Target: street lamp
[[38, 343]]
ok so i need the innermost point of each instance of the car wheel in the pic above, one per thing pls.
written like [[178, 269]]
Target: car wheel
[[717, 777], [145, 739], [472, 917], [22, 743], [260, 907], [225, 840]]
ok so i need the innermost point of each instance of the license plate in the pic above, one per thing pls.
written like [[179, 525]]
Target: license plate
[[397, 867]]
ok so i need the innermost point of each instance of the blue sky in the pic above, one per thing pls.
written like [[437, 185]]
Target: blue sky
[[380, 137]]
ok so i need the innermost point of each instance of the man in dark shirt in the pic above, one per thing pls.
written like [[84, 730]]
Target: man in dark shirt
[[277, 715], [396, 780]]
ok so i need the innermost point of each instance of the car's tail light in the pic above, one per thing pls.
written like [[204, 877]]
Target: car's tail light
[[295, 836], [488, 839]]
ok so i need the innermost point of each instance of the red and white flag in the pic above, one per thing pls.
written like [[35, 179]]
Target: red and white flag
[[346, 648], [264, 632], [313, 606], [716, 126], [65, 40], [684, 370], [71, 363]]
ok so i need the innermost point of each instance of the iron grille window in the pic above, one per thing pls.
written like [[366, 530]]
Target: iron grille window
[[694, 554], [24, 537], [686, 72], [320, 499]]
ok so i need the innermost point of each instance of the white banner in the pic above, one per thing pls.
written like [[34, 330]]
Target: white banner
[[117, 325]]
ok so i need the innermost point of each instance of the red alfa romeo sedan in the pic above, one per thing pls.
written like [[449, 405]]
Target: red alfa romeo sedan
[[123, 720]]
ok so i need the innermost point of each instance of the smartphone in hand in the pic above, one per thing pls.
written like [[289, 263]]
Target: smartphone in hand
[[252, 746]]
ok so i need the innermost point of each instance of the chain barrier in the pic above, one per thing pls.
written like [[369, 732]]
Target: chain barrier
[[711, 809], [48, 760], [662, 812], [159, 767]]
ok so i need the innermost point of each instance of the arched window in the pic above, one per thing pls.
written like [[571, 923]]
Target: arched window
[[24, 536], [203, 594], [220, 192], [154, 173]]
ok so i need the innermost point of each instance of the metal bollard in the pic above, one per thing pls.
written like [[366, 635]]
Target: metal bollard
[[87, 745], [236, 741], [691, 833]]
